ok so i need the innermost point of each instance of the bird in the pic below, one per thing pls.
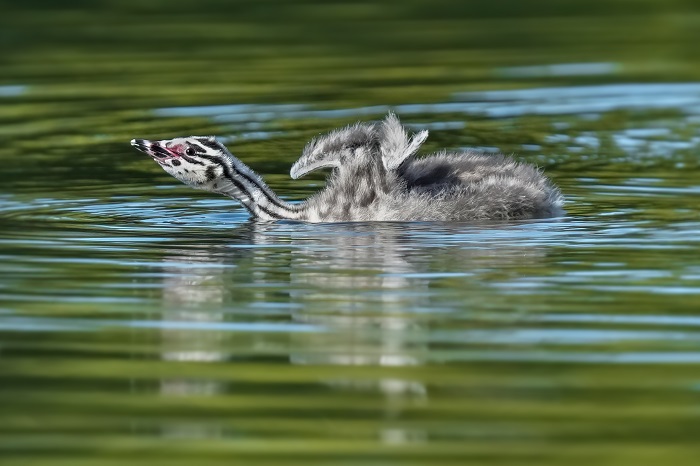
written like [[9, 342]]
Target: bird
[[375, 176]]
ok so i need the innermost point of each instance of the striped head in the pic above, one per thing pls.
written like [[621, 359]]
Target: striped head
[[204, 163], [197, 161]]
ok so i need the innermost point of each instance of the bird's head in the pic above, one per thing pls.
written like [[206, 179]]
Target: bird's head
[[197, 161]]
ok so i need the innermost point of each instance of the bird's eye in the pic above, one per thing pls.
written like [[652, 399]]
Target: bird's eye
[[189, 151]]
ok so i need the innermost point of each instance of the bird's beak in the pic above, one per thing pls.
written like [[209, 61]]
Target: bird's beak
[[152, 148]]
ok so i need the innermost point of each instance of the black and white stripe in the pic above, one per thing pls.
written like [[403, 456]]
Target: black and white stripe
[[247, 186]]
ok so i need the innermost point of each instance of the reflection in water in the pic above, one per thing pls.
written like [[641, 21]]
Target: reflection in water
[[366, 287], [12, 91], [191, 285], [368, 311]]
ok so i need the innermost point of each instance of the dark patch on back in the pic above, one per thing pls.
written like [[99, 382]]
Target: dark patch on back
[[438, 178]]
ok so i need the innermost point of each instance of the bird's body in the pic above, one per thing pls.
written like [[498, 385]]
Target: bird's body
[[375, 177]]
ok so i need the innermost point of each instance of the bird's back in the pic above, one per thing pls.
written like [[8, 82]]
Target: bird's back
[[443, 187], [377, 176], [473, 186]]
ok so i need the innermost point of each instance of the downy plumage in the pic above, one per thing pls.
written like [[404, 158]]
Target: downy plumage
[[375, 176]]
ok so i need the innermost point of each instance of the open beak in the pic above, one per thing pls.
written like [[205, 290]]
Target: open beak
[[152, 148]]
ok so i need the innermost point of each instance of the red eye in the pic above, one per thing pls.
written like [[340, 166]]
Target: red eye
[[189, 151]]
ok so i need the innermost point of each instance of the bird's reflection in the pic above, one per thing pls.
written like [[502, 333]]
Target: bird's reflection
[[367, 288]]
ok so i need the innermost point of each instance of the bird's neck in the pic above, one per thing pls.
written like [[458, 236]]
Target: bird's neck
[[243, 184]]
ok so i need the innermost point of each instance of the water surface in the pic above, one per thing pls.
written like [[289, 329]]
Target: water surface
[[143, 321]]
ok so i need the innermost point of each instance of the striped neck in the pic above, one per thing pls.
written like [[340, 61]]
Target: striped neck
[[238, 181]]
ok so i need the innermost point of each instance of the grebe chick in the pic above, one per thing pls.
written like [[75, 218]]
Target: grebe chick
[[375, 178]]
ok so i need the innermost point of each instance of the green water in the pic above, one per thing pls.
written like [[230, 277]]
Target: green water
[[142, 322]]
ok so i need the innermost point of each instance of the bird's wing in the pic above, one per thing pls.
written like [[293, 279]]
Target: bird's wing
[[331, 149], [302, 166], [396, 147]]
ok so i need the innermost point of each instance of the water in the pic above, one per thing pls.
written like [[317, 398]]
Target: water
[[144, 322]]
